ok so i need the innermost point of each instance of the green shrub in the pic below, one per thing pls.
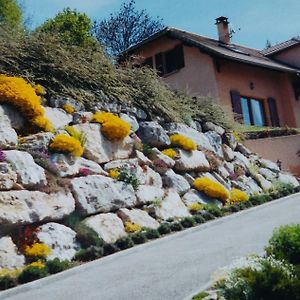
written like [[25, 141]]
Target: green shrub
[[124, 243], [260, 199], [188, 222], [199, 219], [234, 208], [247, 204], [214, 210], [7, 282], [89, 254], [297, 189], [55, 265], [272, 280], [31, 274], [87, 237], [164, 228], [73, 219], [242, 206], [285, 243], [139, 238], [110, 249], [152, 234], [176, 227], [207, 216]]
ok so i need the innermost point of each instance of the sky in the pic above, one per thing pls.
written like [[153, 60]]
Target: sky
[[254, 21]]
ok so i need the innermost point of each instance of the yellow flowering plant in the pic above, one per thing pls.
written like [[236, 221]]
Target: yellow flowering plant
[[195, 207], [237, 196], [114, 173], [212, 189], [39, 90], [37, 264], [68, 108], [112, 127], [132, 227], [66, 144], [37, 250], [78, 135], [178, 140], [17, 92], [170, 152]]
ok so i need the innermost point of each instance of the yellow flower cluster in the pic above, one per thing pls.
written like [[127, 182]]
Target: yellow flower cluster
[[113, 127], [39, 90], [132, 227], [80, 136], [237, 196], [195, 207], [169, 152], [178, 140], [67, 144], [19, 93], [10, 272], [113, 173], [37, 250], [68, 108], [212, 188], [37, 264]]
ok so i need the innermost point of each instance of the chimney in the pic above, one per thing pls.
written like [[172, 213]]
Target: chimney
[[223, 30]]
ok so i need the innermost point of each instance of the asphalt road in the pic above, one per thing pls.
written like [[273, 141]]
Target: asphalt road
[[174, 267]]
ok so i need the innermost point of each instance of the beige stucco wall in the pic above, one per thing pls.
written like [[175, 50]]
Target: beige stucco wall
[[290, 56], [282, 148], [197, 78]]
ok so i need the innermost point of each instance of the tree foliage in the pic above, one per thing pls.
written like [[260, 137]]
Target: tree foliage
[[73, 27], [126, 28], [10, 14]]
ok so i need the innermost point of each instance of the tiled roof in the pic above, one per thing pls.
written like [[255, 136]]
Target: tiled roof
[[282, 46], [232, 52]]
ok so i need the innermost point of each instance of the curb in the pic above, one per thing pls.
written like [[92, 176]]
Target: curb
[[52, 278]]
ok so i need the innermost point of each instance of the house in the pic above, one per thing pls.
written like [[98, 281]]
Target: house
[[262, 86]]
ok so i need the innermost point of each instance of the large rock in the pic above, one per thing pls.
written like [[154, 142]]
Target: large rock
[[288, 179], [37, 142], [194, 196], [241, 159], [199, 138], [8, 177], [58, 117], [69, 166], [100, 149], [191, 161], [264, 183], [153, 134], [248, 185], [161, 162], [29, 173], [8, 136], [97, 193], [209, 126], [60, 239], [268, 174], [230, 140], [216, 142], [109, 227], [176, 181], [25, 207], [122, 163], [139, 217], [9, 256], [142, 159], [228, 153], [265, 163], [11, 116], [171, 207], [243, 149], [131, 120], [147, 194]]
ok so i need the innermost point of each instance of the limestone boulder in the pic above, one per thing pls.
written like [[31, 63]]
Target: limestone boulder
[[38, 142], [11, 116], [216, 142], [265, 184], [194, 196], [288, 179], [176, 181], [241, 159], [249, 185], [131, 120], [67, 165], [265, 163], [228, 153], [60, 239], [109, 227], [29, 173], [81, 117], [209, 126], [142, 159], [268, 174], [161, 162], [138, 216], [26, 207], [243, 149], [230, 140], [100, 149], [171, 207], [148, 193], [8, 136], [8, 177], [148, 176], [191, 161], [153, 134], [122, 163], [9, 256], [58, 117], [97, 193]]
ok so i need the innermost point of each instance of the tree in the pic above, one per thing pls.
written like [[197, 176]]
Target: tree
[[126, 28], [10, 14], [73, 27]]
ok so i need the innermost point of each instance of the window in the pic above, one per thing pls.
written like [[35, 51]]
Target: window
[[170, 61], [252, 111]]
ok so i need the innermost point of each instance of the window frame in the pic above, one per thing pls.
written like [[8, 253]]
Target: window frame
[[250, 110]]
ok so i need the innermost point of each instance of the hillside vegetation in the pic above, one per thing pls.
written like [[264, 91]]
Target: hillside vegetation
[[87, 75]]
